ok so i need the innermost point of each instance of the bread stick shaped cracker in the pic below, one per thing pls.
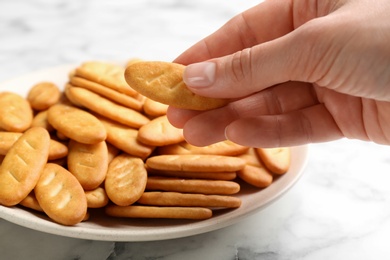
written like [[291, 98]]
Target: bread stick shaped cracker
[[76, 124], [277, 160], [22, 165], [163, 82], [16, 114], [125, 180], [60, 195]]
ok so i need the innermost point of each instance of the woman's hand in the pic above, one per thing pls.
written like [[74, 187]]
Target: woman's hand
[[296, 71]]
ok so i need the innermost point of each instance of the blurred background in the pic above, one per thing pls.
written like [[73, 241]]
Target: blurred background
[[43, 33]]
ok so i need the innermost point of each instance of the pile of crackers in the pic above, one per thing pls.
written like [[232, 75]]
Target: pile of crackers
[[98, 143]]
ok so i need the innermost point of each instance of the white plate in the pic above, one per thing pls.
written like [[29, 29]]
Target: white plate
[[101, 227]]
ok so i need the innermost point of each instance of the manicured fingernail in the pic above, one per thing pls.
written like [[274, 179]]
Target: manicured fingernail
[[200, 74]]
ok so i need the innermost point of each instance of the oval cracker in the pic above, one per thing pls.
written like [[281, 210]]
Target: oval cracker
[[60, 195], [163, 82]]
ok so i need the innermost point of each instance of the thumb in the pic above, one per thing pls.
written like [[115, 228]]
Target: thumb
[[252, 69]]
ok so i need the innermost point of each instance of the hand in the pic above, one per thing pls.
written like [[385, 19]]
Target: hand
[[297, 72]]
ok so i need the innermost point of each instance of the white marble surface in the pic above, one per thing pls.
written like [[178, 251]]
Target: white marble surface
[[338, 210]]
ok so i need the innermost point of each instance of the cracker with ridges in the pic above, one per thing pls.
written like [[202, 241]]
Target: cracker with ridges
[[159, 132], [163, 82], [22, 166], [97, 198], [125, 180], [195, 213], [57, 150], [7, 140], [76, 124], [106, 108], [255, 173], [227, 176], [154, 109], [16, 114], [125, 138], [60, 195], [31, 202], [40, 119], [195, 163], [226, 148], [88, 163], [107, 74], [215, 187], [156, 198], [277, 160], [109, 93], [43, 95]]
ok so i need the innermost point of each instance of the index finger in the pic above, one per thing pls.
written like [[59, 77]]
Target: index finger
[[261, 23]]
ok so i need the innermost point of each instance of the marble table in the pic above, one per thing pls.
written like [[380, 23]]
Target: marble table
[[339, 209]]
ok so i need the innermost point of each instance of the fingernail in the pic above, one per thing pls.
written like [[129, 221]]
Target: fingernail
[[200, 74]]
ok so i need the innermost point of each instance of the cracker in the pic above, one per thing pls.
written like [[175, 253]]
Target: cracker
[[195, 163], [277, 160], [8, 139], [43, 95], [106, 108], [154, 109], [106, 92], [255, 173], [57, 150], [195, 213], [16, 114], [227, 176], [40, 120], [60, 195], [22, 165], [226, 148], [159, 132], [31, 202], [76, 124], [88, 163], [156, 198], [107, 74], [126, 179], [163, 82], [192, 185], [97, 198], [125, 139]]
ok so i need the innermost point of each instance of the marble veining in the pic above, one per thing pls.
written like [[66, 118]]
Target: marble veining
[[339, 209]]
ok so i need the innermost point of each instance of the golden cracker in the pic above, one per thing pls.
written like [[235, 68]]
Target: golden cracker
[[226, 148], [107, 74], [159, 132], [125, 180], [16, 114], [255, 173], [155, 198], [212, 187], [277, 160], [195, 163], [76, 124], [163, 82], [154, 109], [106, 92], [195, 213], [125, 139], [88, 163], [106, 108], [60, 195], [97, 198], [43, 95], [22, 165]]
